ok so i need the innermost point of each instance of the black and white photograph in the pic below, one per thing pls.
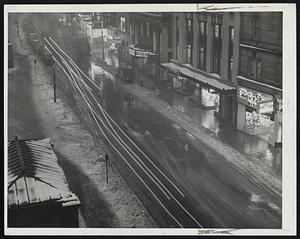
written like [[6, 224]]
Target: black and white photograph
[[150, 119]]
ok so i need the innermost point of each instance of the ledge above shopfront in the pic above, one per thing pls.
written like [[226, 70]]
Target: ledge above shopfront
[[242, 80], [200, 78]]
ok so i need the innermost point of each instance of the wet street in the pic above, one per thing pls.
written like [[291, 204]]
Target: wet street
[[188, 184]]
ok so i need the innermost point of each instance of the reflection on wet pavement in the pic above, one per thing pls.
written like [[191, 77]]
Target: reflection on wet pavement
[[257, 149]]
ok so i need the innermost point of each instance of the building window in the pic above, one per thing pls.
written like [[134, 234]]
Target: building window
[[122, 25], [169, 37], [202, 28], [177, 51], [202, 56], [217, 42], [177, 38], [189, 54], [231, 32], [230, 52], [177, 29], [147, 29], [255, 27], [216, 62], [202, 40], [142, 29], [230, 67], [254, 67], [189, 36]]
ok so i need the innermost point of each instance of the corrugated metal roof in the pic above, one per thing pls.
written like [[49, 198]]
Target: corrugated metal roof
[[34, 174]]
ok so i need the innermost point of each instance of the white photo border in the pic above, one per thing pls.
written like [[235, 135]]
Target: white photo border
[[289, 207]]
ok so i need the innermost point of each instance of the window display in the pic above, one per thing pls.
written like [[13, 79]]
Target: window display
[[255, 120], [209, 98]]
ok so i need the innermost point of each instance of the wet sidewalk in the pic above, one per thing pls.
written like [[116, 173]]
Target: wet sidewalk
[[254, 147]]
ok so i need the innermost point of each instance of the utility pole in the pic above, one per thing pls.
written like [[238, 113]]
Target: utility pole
[[106, 167], [54, 85], [34, 66], [103, 45], [17, 23]]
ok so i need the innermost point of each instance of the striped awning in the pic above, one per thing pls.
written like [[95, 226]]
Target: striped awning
[[211, 81], [34, 175]]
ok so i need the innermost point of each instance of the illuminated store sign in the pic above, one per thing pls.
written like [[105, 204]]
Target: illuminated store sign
[[139, 52], [252, 97], [265, 107]]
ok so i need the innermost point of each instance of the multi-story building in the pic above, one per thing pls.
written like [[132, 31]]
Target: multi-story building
[[149, 42], [204, 60], [259, 90]]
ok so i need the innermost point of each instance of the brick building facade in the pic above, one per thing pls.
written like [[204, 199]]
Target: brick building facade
[[259, 93], [204, 60]]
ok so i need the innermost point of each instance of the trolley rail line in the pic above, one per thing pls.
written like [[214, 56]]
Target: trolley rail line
[[163, 190]]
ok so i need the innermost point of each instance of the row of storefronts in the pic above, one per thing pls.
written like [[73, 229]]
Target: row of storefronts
[[255, 111], [138, 43], [259, 112], [206, 92]]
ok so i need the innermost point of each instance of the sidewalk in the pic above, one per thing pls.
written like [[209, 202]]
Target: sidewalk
[[31, 97], [252, 166]]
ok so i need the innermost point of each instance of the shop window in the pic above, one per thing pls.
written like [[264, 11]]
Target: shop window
[[189, 54], [255, 120], [210, 98]]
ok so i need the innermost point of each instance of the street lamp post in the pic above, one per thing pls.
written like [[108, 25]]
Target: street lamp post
[[102, 44]]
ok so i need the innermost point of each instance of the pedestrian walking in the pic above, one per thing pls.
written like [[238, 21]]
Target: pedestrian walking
[[186, 147]]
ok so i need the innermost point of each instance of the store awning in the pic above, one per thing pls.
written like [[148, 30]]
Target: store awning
[[213, 82], [171, 66]]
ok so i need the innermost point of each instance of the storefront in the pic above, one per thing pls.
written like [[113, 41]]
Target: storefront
[[256, 114], [143, 61], [208, 93]]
